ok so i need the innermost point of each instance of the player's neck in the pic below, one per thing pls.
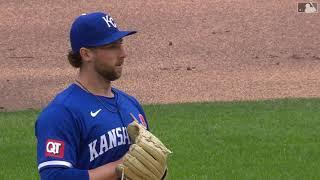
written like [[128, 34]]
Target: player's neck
[[95, 84]]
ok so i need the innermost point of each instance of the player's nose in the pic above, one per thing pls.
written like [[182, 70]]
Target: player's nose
[[123, 53]]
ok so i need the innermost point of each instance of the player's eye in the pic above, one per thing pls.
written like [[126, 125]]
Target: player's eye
[[113, 46]]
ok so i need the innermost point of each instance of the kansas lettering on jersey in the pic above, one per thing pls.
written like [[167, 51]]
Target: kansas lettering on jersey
[[77, 130], [116, 137]]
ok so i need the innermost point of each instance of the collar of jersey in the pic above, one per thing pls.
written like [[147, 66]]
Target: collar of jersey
[[109, 99]]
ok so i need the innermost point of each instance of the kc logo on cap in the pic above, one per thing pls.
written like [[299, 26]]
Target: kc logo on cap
[[109, 21], [93, 30]]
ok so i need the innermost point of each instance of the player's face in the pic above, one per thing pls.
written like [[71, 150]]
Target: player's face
[[109, 59]]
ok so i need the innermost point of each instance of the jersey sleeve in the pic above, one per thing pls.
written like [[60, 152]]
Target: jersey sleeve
[[58, 138]]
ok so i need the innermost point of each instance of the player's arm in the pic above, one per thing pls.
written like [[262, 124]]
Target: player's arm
[[58, 137], [105, 172]]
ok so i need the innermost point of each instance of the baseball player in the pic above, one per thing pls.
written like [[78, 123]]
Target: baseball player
[[82, 133]]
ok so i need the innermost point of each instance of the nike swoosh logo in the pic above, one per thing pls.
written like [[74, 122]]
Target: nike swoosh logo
[[94, 114]]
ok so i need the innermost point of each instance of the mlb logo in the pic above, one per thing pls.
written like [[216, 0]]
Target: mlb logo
[[54, 148], [308, 7]]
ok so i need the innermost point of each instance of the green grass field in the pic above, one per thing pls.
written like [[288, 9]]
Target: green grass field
[[275, 139]]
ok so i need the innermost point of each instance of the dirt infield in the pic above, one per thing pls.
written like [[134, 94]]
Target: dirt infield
[[184, 51]]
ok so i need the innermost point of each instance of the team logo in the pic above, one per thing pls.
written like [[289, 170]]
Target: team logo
[[109, 21], [54, 148]]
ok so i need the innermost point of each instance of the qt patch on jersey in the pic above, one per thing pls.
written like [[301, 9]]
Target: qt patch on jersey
[[54, 148]]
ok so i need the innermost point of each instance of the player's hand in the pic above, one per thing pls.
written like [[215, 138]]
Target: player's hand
[[147, 156]]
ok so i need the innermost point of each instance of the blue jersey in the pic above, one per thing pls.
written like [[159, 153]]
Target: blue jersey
[[80, 130]]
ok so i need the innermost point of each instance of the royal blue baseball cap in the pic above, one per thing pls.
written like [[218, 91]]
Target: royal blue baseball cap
[[94, 29]]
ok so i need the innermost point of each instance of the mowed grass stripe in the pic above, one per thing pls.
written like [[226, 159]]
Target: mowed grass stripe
[[274, 139]]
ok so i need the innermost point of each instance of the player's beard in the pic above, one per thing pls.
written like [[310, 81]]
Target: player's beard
[[108, 72]]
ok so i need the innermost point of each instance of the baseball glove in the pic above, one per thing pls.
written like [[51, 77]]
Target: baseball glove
[[147, 156]]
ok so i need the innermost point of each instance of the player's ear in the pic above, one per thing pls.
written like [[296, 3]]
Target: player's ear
[[86, 54]]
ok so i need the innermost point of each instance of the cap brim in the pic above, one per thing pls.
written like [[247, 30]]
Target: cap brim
[[115, 36]]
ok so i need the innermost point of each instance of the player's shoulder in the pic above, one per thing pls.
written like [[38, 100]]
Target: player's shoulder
[[67, 96], [58, 113], [125, 96], [61, 104]]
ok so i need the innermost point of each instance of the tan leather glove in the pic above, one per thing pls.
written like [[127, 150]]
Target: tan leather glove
[[147, 156]]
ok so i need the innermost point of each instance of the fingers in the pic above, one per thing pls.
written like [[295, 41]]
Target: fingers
[[127, 173]]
